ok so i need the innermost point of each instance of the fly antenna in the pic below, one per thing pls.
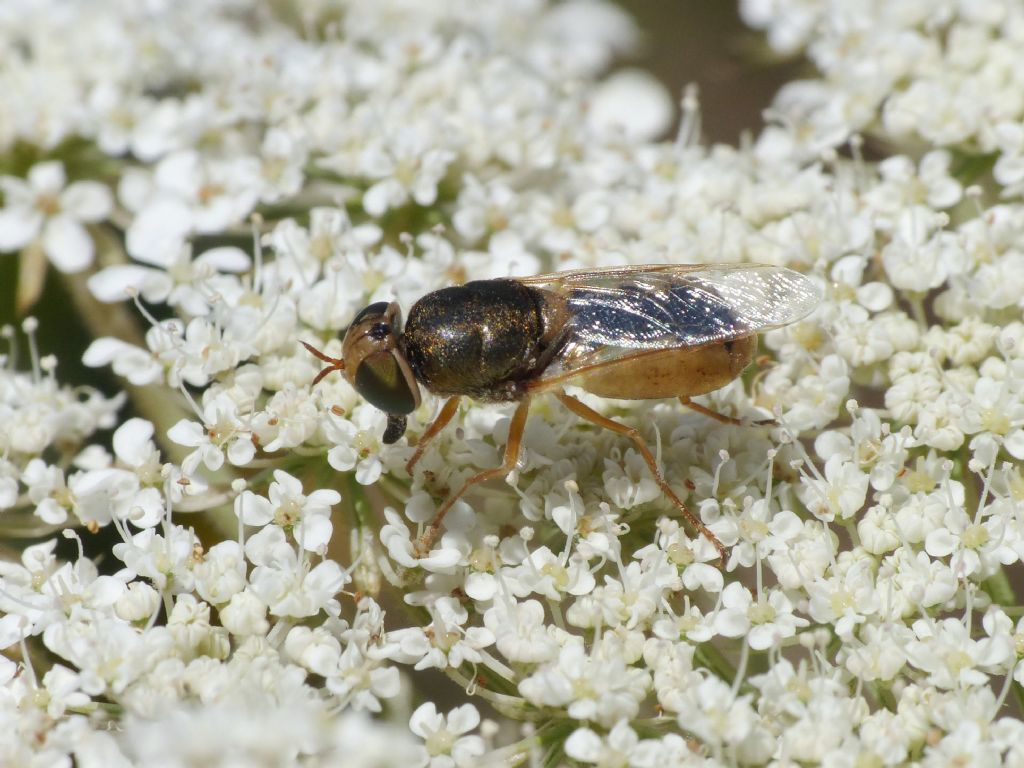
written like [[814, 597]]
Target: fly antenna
[[333, 363]]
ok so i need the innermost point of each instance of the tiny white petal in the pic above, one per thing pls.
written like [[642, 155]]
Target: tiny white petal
[[18, 227], [48, 177], [188, 433], [159, 228], [132, 438], [634, 102], [67, 244], [583, 744], [314, 533], [87, 200], [113, 283], [225, 259], [241, 451]]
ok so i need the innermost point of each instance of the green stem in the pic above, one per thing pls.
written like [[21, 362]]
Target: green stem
[[883, 695], [998, 587], [552, 737], [364, 518], [709, 656], [916, 301], [1018, 695]]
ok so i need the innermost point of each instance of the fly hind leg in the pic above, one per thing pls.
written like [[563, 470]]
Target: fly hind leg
[[511, 458], [585, 412], [721, 418]]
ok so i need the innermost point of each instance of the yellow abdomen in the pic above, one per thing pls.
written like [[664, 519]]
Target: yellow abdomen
[[668, 373]]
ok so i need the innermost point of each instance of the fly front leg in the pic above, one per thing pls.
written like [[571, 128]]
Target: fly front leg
[[446, 414], [721, 418], [511, 458], [585, 412]]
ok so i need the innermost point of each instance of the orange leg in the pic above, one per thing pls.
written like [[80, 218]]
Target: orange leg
[[515, 439], [585, 412], [721, 418], [446, 414]]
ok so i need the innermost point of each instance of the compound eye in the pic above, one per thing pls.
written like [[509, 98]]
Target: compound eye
[[380, 331], [377, 308], [386, 382]]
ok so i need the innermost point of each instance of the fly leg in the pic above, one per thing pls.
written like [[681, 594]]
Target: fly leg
[[515, 439], [585, 412], [446, 414], [721, 418]]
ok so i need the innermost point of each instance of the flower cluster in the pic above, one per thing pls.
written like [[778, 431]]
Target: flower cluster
[[239, 577], [46, 465]]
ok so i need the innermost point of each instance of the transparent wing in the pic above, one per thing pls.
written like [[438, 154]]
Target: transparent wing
[[620, 313]]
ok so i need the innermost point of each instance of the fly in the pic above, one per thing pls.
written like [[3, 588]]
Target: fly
[[636, 333]]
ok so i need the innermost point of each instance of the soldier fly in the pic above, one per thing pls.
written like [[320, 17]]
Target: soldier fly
[[637, 333]]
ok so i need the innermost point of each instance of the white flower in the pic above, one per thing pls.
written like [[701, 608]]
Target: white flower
[[318, 650], [841, 493], [520, 632], [765, 622], [870, 444], [175, 278], [400, 147], [600, 689], [482, 206], [220, 575], [903, 185], [207, 349], [164, 559], [629, 483], [673, 665], [397, 539], [631, 601], [950, 657], [245, 614], [445, 741], [133, 363], [357, 442], [762, 531], [973, 546], [967, 742], [715, 715], [918, 257], [407, 165], [222, 426], [917, 581], [620, 747], [445, 642], [846, 598], [362, 681], [187, 193], [45, 206], [138, 602], [286, 584], [814, 399], [807, 555], [283, 155], [101, 494], [998, 407], [549, 575], [309, 516], [290, 419], [632, 103]]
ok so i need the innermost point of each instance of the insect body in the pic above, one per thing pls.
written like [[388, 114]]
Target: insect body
[[644, 332]]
